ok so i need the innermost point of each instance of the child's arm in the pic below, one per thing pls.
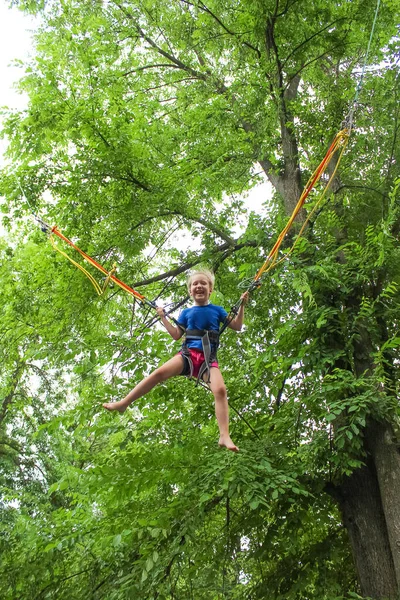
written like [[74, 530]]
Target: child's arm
[[237, 322], [174, 331]]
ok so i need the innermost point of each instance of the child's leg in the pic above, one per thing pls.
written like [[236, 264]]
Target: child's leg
[[169, 369], [218, 389]]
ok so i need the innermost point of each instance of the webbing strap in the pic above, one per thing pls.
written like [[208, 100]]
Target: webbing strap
[[208, 338], [198, 334]]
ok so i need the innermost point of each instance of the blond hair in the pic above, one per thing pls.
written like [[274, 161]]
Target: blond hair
[[207, 274]]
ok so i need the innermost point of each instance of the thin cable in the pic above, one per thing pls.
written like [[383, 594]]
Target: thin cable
[[350, 117]]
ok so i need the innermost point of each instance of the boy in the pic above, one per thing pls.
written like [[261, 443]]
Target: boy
[[203, 317]]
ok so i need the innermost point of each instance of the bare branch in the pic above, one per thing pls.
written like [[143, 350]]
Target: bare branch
[[11, 444], [203, 7], [156, 65], [286, 8], [361, 187], [131, 179], [310, 38], [270, 170], [55, 583], [222, 234], [169, 56], [169, 84], [290, 92], [198, 259], [307, 64]]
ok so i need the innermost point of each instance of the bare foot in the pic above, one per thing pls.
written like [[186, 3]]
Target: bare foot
[[226, 442], [120, 406]]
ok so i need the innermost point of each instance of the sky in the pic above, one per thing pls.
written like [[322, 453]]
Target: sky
[[15, 43]]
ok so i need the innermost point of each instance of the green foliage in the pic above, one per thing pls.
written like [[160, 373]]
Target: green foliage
[[144, 126]]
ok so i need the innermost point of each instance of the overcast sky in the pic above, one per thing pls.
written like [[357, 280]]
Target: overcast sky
[[15, 43]]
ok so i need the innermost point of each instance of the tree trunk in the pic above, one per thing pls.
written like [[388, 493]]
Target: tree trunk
[[384, 448], [369, 498], [363, 516]]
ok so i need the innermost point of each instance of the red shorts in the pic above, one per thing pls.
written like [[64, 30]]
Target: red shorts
[[197, 358]]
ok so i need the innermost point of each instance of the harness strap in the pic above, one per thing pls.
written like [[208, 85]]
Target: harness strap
[[208, 338], [186, 355], [198, 334]]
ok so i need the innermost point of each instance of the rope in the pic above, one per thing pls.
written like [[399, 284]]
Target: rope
[[99, 289], [339, 143], [350, 117], [109, 274], [54, 231]]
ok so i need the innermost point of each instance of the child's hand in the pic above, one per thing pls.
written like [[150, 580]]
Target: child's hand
[[160, 311], [245, 297]]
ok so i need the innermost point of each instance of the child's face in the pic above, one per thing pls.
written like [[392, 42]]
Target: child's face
[[200, 288]]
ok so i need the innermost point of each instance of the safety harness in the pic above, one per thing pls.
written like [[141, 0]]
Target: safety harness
[[210, 342]]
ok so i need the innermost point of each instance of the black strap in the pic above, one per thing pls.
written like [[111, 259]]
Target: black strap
[[208, 338], [198, 334]]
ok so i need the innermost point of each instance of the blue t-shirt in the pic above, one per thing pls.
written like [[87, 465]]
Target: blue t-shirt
[[202, 317]]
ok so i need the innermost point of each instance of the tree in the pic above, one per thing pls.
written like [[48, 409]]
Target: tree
[[149, 119]]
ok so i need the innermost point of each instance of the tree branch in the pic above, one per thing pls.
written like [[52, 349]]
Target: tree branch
[[63, 579], [156, 65], [198, 259], [174, 60], [173, 213], [15, 379], [204, 8], [11, 444], [360, 187], [310, 38], [131, 179], [312, 60]]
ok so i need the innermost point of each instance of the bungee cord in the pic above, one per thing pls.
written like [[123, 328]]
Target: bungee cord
[[338, 145]]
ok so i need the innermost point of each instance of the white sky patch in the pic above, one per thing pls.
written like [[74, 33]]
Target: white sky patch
[[16, 32], [255, 200]]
